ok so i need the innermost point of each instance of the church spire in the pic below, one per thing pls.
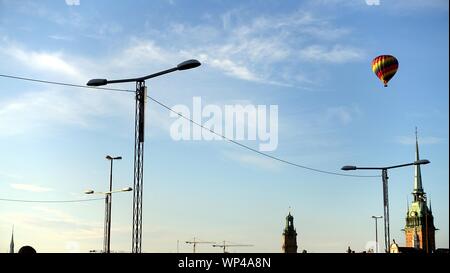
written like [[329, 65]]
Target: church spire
[[431, 211], [11, 245], [418, 190]]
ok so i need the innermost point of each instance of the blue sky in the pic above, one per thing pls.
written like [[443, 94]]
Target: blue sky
[[311, 58]]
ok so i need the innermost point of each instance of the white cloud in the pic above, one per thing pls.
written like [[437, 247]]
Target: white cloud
[[336, 54], [233, 69], [428, 140], [250, 49], [53, 62], [30, 187], [72, 2], [49, 106], [40, 110], [141, 51], [60, 37], [417, 5], [57, 224], [395, 6]]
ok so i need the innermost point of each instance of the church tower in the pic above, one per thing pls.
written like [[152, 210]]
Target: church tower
[[289, 236], [11, 245], [419, 228]]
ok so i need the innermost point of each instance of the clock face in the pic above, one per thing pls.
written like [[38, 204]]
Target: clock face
[[412, 213]]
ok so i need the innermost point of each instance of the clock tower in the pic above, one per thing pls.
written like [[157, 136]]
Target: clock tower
[[419, 228], [289, 236]]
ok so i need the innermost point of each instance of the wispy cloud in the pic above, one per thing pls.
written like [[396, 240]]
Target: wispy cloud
[[416, 5], [234, 69], [40, 110], [141, 52], [70, 19], [42, 61], [410, 5], [336, 54], [30, 187], [58, 223], [250, 49], [60, 37], [428, 140]]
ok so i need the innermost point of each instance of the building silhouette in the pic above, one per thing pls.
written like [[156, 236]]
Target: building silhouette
[[419, 228], [289, 236]]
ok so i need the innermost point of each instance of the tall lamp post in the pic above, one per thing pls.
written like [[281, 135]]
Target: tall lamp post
[[141, 94], [384, 177], [376, 231], [108, 202], [107, 230]]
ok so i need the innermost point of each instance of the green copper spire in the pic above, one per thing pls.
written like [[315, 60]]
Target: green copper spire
[[418, 190]]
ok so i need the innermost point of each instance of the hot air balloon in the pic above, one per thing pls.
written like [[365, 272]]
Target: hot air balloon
[[385, 67]]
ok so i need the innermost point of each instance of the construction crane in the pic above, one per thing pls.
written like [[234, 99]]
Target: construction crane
[[194, 243], [225, 245]]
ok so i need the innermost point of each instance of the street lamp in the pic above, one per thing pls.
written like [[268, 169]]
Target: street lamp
[[384, 177], [376, 231], [141, 94], [108, 202], [107, 230]]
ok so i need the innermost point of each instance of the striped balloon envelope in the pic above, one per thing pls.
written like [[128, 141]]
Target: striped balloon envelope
[[385, 67]]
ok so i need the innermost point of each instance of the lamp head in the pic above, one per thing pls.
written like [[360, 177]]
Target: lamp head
[[127, 189], [348, 168], [188, 64], [97, 82], [421, 162]]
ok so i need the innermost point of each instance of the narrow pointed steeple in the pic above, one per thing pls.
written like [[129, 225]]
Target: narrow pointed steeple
[[11, 245], [431, 211], [418, 190]]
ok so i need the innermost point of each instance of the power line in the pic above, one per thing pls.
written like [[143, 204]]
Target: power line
[[50, 201], [64, 84], [256, 151], [193, 122]]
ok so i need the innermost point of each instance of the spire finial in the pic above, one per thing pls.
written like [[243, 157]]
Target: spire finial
[[417, 146]]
